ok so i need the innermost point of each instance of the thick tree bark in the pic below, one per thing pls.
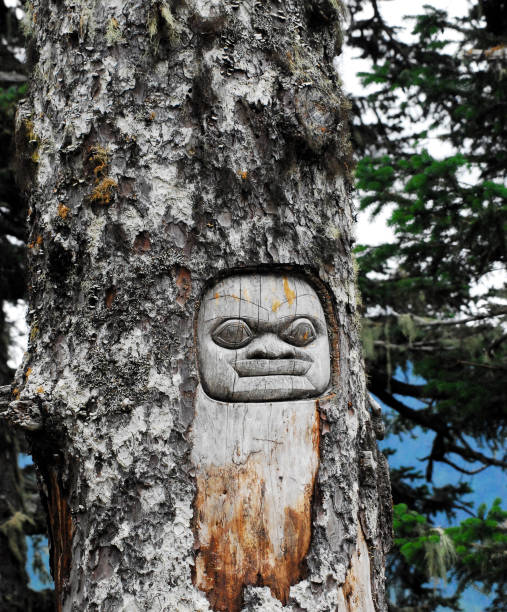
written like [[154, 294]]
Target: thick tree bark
[[167, 146]]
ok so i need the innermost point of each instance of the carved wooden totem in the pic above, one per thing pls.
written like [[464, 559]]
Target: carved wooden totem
[[264, 360]]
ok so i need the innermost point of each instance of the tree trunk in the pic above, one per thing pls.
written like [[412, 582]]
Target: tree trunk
[[194, 374]]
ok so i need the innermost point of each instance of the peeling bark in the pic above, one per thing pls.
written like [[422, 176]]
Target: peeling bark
[[164, 145]]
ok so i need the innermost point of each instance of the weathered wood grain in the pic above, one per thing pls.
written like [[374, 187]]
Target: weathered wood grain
[[255, 467]]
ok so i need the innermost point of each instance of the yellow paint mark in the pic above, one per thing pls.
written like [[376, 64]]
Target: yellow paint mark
[[40, 389], [63, 210], [290, 294], [276, 305], [27, 373]]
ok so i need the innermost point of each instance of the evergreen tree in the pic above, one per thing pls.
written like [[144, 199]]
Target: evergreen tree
[[424, 307]]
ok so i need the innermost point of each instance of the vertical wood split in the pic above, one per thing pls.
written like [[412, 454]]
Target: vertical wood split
[[356, 593], [60, 533]]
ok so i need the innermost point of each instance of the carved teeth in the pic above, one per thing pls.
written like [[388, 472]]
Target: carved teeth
[[272, 367]]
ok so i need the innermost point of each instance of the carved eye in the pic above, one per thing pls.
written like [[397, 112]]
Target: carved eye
[[299, 333], [232, 334]]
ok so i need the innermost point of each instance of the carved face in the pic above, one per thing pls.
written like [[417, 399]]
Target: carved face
[[262, 337]]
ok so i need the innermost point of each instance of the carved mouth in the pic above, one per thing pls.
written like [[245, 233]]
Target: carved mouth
[[272, 367]]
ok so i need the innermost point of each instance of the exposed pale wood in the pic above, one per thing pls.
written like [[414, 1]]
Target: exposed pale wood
[[255, 466]]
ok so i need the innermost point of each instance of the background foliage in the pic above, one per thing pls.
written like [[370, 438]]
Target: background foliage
[[21, 514], [428, 308]]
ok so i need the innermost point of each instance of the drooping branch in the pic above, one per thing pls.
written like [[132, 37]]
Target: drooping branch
[[429, 420], [423, 417]]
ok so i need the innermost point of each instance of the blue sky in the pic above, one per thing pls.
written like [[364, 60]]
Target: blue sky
[[487, 485]]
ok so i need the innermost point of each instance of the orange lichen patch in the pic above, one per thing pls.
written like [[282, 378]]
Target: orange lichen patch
[[63, 210], [184, 284], [235, 549], [16, 393], [243, 174], [104, 190], [217, 295], [40, 390], [105, 186], [27, 373], [290, 294], [276, 305], [61, 531], [246, 295], [99, 158], [38, 240], [236, 297], [142, 242], [110, 295]]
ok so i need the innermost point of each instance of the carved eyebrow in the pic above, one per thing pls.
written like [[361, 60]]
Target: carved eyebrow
[[250, 321], [277, 326]]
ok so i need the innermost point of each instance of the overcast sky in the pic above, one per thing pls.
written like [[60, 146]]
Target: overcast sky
[[368, 230]]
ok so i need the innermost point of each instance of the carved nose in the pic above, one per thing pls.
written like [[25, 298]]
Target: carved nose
[[269, 346]]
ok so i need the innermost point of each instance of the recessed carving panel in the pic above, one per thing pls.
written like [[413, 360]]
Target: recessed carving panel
[[264, 359], [262, 337]]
